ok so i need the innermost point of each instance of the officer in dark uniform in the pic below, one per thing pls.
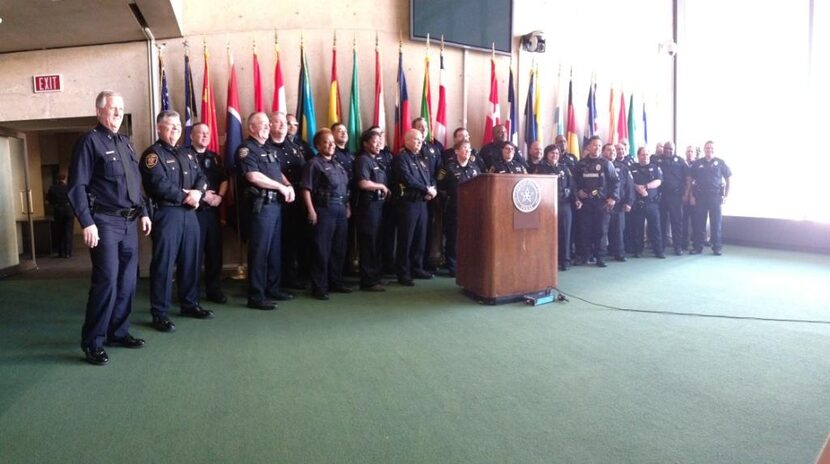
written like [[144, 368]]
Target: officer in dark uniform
[[294, 137], [692, 155], [175, 184], [455, 172], [534, 156], [388, 217], [491, 152], [326, 195], [415, 187], [598, 187], [461, 134], [345, 157], [210, 229], [671, 195], [371, 182], [647, 178], [105, 193], [508, 163], [622, 157], [264, 187], [431, 153], [58, 197], [568, 159], [568, 202], [616, 225], [295, 246], [708, 187]]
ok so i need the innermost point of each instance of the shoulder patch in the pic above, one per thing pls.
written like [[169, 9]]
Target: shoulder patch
[[151, 160], [442, 174], [243, 152]]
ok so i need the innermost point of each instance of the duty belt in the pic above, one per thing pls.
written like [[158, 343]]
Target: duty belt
[[127, 213]]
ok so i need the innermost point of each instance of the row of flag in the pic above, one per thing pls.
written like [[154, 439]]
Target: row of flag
[[622, 122]]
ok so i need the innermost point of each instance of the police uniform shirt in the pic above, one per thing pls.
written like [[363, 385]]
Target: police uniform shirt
[[626, 185], [345, 157], [256, 157], [674, 170], [211, 165], [565, 182], [167, 170], [708, 176], [642, 175], [368, 167], [514, 166], [58, 195], [411, 172], [431, 152], [325, 176], [291, 159], [568, 159], [97, 171], [454, 174], [598, 178]]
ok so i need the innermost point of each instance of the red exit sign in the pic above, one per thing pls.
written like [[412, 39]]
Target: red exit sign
[[48, 83]]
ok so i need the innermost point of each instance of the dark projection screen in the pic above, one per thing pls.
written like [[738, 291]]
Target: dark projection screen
[[465, 23]]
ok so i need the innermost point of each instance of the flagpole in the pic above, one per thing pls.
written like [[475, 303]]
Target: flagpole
[[242, 268]]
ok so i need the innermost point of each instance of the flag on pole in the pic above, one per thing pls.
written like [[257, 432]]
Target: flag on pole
[[537, 103], [441, 115], [612, 117], [590, 115], [632, 128], [558, 113], [165, 94], [209, 108], [645, 126], [573, 142], [233, 123], [305, 104], [379, 113], [334, 89], [259, 106], [354, 109], [512, 120], [279, 103], [401, 105], [531, 128], [426, 99], [622, 122], [493, 117], [189, 99]]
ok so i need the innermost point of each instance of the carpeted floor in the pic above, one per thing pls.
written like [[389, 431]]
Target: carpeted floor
[[425, 375]]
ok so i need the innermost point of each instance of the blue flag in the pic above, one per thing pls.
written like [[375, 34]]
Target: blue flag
[[190, 112], [165, 95], [531, 131], [591, 115], [305, 105], [514, 121]]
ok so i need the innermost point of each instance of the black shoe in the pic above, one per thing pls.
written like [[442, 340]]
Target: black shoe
[[579, 262], [340, 289], [217, 298], [406, 282], [696, 251], [265, 305], [163, 324], [197, 312], [620, 258], [678, 252], [96, 356], [323, 296], [127, 341], [421, 275], [601, 263], [281, 296], [660, 256], [717, 252], [373, 288], [295, 285]]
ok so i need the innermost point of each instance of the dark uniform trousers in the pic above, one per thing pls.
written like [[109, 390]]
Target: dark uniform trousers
[[616, 226], [64, 223], [175, 240], [296, 256], [708, 205], [369, 227], [642, 212], [593, 223], [451, 232], [114, 275], [671, 212], [389, 230], [565, 224], [329, 245], [412, 233], [264, 252], [211, 239], [688, 225]]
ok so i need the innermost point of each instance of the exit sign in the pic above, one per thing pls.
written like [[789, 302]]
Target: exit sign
[[48, 83]]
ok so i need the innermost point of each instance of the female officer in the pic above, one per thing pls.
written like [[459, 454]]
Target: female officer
[[326, 196], [550, 165]]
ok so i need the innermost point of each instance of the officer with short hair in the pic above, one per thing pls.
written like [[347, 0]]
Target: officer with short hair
[[568, 159], [455, 172], [58, 197], [708, 187], [647, 178], [671, 195], [568, 202], [508, 163], [598, 187], [616, 225], [371, 182], [389, 217]]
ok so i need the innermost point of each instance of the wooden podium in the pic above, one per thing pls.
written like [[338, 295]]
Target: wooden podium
[[507, 249]]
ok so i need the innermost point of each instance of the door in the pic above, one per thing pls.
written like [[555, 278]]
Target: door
[[16, 209]]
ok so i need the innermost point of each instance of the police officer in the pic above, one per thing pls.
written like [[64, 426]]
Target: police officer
[[210, 229], [568, 159], [534, 156], [692, 155], [415, 187], [175, 184], [294, 137], [345, 157], [568, 202], [105, 193], [58, 197], [708, 187], [461, 134], [616, 225], [371, 182], [491, 152], [264, 185], [295, 258], [326, 195], [431, 153], [455, 172], [389, 216], [671, 196], [647, 178], [598, 187], [508, 163]]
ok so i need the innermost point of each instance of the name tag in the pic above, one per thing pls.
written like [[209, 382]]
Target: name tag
[[110, 152], [590, 174]]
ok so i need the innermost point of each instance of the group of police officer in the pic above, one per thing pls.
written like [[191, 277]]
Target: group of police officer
[[386, 211]]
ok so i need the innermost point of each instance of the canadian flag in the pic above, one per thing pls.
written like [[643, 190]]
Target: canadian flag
[[493, 116]]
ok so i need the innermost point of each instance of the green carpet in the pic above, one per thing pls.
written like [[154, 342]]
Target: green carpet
[[425, 375]]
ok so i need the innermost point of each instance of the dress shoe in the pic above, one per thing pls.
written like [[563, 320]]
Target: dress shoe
[[373, 288], [717, 252], [620, 258], [579, 262], [96, 356], [265, 305], [696, 251], [294, 285], [660, 256], [406, 282], [197, 312], [127, 341], [281, 296], [163, 324], [601, 263], [340, 289], [322, 296], [421, 275], [218, 298]]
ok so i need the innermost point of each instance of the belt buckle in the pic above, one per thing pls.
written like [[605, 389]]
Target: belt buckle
[[130, 213]]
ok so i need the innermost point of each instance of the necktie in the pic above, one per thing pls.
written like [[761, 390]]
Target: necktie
[[130, 171]]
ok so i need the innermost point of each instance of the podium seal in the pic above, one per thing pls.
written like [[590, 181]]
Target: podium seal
[[526, 195]]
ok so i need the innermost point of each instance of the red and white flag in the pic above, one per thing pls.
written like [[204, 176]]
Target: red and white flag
[[493, 117], [440, 132], [379, 115], [279, 103]]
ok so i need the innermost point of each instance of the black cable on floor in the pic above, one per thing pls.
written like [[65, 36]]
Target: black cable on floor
[[679, 313]]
